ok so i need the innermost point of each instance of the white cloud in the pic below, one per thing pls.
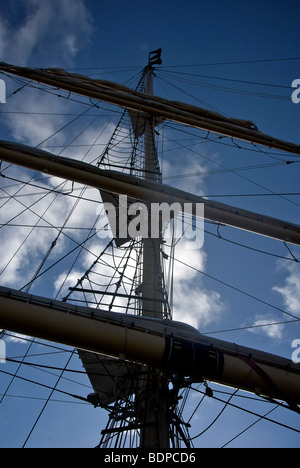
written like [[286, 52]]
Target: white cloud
[[262, 324], [64, 281], [290, 290], [22, 248], [16, 338], [63, 24], [50, 33], [32, 129], [290, 294], [195, 305], [20, 254], [193, 302], [187, 164], [143, 47]]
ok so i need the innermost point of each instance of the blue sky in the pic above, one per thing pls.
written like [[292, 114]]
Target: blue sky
[[227, 56]]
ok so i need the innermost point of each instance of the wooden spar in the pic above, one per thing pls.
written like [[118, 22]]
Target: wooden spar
[[164, 109], [170, 346], [146, 190]]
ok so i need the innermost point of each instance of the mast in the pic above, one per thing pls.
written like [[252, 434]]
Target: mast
[[152, 400]]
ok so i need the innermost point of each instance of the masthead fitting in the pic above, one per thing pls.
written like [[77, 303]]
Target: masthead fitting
[[155, 57]]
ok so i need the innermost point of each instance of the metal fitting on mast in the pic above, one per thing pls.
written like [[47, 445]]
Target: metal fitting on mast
[[155, 57]]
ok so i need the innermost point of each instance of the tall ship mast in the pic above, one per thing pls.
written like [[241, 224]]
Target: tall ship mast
[[118, 314]]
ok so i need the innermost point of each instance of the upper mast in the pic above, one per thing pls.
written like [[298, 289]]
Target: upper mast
[[152, 269]]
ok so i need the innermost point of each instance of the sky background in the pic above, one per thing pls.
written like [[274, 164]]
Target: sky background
[[238, 58]]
